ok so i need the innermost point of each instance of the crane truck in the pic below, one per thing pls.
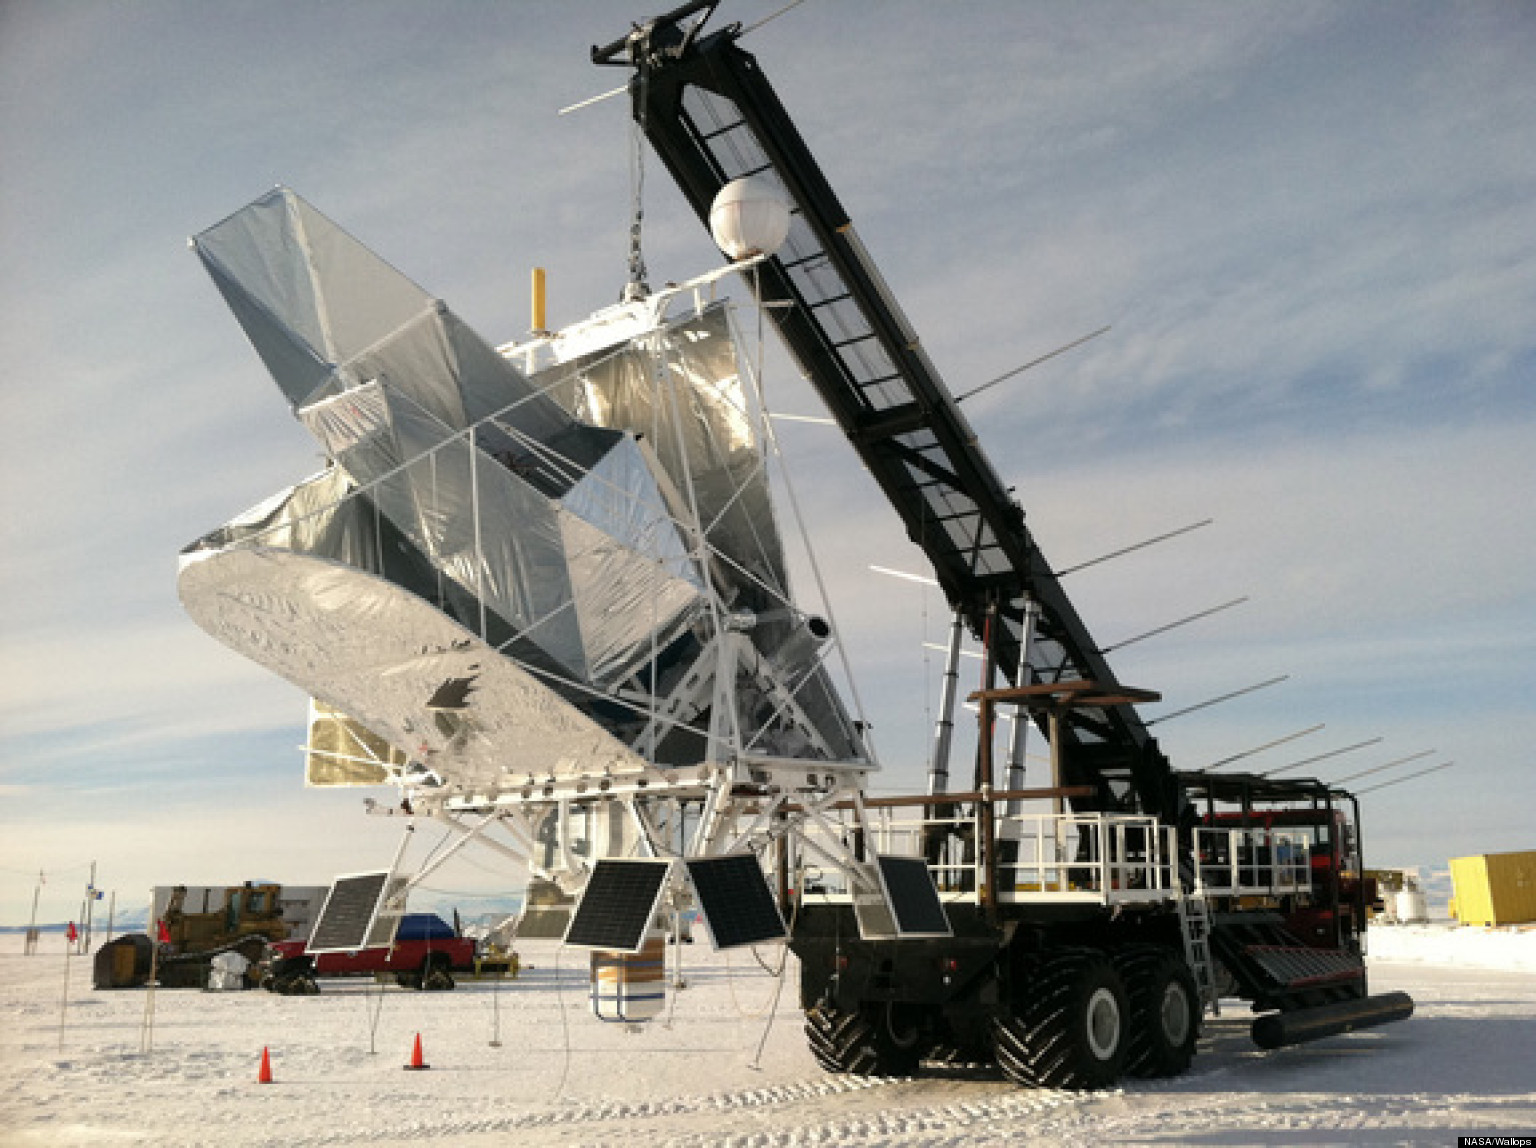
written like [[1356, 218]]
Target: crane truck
[[1087, 941]]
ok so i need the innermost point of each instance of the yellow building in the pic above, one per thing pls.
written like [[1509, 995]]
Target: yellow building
[[1495, 888]]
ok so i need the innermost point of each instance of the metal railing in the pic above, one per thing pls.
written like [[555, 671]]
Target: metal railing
[[1253, 862], [1097, 858]]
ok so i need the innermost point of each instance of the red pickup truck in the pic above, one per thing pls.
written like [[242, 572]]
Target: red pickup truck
[[425, 954]]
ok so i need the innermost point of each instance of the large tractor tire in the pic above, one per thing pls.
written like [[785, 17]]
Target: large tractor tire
[[1165, 1010], [1070, 1026], [881, 1039]]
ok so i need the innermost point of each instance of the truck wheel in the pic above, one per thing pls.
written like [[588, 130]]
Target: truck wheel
[[435, 975], [880, 1039], [1165, 1010], [1070, 1029]]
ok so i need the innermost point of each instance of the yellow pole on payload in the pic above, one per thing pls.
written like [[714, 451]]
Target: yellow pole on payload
[[539, 327]]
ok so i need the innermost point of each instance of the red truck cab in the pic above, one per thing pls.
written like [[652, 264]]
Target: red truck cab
[[424, 955]]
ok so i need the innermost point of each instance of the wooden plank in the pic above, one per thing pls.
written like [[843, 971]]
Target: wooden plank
[[920, 799], [1075, 694]]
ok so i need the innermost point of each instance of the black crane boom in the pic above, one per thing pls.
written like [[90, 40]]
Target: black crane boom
[[712, 117]]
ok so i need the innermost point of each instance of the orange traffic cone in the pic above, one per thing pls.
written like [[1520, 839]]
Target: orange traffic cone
[[265, 1075], [416, 1064]]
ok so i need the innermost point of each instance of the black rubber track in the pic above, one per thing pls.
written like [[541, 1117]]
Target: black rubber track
[[1046, 1044]]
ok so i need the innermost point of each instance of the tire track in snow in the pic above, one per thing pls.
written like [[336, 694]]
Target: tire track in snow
[[954, 1124], [426, 1128]]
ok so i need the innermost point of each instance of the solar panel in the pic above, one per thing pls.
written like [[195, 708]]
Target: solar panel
[[896, 898], [348, 914], [618, 905], [913, 896], [734, 896]]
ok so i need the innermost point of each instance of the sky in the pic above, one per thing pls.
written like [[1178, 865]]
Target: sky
[[1310, 228]]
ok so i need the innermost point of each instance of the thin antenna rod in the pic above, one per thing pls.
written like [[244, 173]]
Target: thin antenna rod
[[773, 16], [1410, 777], [1389, 765], [817, 419], [902, 574], [1322, 757], [1032, 363], [1266, 745], [1223, 698], [587, 103], [1174, 625], [941, 649], [1129, 549]]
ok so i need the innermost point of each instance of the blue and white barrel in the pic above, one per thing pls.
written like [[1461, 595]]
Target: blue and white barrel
[[629, 988]]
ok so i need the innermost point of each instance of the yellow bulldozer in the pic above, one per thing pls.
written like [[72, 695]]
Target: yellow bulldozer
[[184, 945]]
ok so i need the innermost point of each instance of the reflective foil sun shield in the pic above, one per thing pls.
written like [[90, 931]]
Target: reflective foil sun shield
[[548, 539], [682, 392], [382, 655], [557, 542], [572, 595]]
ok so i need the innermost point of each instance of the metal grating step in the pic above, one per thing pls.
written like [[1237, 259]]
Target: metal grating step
[[1296, 967]]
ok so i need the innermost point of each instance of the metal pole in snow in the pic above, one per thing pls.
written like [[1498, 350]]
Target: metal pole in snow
[[64, 999], [90, 907], [147, 1025], [31, 949]]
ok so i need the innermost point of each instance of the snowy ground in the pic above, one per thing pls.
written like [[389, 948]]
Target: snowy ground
[[1466, 1062]]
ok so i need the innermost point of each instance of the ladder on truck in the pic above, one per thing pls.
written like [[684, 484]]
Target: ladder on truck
[[1195, 927]]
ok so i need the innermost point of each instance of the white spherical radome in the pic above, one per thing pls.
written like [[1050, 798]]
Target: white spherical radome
[[749, 217]]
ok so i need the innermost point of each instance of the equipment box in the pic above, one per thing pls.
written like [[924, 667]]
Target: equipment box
[[1495, 888]]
